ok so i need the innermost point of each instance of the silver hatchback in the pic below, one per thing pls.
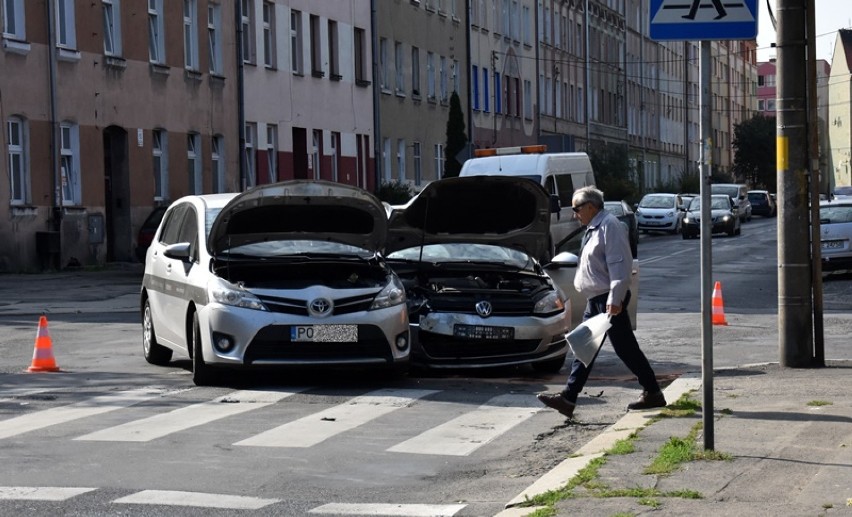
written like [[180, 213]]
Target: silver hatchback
[[283, 274]]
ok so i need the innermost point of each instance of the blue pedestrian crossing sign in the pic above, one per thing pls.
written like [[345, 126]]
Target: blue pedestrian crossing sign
[[691, 20]]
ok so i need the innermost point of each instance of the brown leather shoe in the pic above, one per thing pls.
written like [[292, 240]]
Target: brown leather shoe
[[649, 401], [556, 401]]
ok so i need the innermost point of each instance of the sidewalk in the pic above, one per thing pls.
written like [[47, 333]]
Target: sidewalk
[[786, 434]]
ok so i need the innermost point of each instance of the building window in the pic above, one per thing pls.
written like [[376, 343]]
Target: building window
[[247, 29], [70, 163], [527, 25], [335, 156], [444, 80], [474, 75], [399, 61], [217, 163], [18, 166], [430, 75], [486, 96], [316, 47], [214, 37], [190, 34], [66, 31], [387, 172], [498, 100], [296, 63], [250, 154], [269, 35], [400, 159], [439, 161], [333, 51], [317, 154], [193, 162], [156, 38], [761, 105], [14, 26], [272, 151], [161, 164], [418, 163], [384, 65], [527, 98], [415, 71], [360, 56], [112, 27]]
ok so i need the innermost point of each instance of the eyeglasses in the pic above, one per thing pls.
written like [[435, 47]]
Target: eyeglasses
[[577, 208]]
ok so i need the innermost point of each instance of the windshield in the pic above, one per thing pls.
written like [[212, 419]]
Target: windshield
[[716, 203], [289, 248], [731, 192], [835, 214], [614, 208], [209, 216], [657, 202], [464, 252]]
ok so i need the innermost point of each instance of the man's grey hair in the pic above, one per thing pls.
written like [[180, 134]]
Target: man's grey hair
[[588, 194]]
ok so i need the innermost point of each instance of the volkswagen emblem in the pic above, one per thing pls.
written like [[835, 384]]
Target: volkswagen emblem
[[320, 307], [484, 309]]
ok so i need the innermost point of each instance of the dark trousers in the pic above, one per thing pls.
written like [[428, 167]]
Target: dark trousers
[[624, 343]]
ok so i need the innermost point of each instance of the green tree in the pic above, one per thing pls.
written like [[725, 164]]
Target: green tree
[[613, 174], [754, 152], [456, 138]]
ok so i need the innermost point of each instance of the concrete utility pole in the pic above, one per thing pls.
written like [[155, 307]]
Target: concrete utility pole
[[795, 336]]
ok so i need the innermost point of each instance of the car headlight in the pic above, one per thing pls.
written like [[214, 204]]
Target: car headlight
[[552, 302], [686, 219], [392, 294], [669, 214], [226, 293], [726, 218]]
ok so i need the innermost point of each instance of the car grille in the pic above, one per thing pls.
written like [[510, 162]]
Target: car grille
[[467, 305], [447, 347], [273, 343], [300, 307]]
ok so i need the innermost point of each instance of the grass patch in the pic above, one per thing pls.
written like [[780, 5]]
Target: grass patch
[[625, 446], [818, 403], [684, 406], [649, 501], [680, 450]]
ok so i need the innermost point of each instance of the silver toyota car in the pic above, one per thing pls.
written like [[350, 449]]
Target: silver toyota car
[[282, 274]]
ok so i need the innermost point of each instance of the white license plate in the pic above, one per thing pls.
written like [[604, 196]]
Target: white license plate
[[831, 245], [324, 333]]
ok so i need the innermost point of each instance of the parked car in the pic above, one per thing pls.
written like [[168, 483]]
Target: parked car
[[282, 274], [835, 219], [477, 296], [722, 211], [738, 194], [147, 231], [843, 191], [659, 212], [626, 215], [762, 203]]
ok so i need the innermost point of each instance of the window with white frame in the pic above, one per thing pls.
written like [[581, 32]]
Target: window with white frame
[[272, 151], [387, 172], [190, 34], [415, 71], [439, 161], [193, 162], [217, 163], [250, 154], [14, 24], [16, 139], [70, 163], [399, 61], [112, 27], [418, 163], [506, 18], [526, 20], [384, 65], [361, 59], [516, 20], [269, 58], [247, 30], [214, 37], [335, 156], [156, 32], [444, 80], [66, 30], [317, 154], [296, 59], [333, 51], [316, 47], [160, 155], [400, 159], [527, 99], [430, 75]]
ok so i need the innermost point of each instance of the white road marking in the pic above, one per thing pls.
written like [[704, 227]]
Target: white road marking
[[42, 493], [466, 433], [157, 426], [315, 428], [199, 499], [664, 257], [391, 510], [59, 415]]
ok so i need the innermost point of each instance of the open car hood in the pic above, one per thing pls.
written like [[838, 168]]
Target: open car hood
[[301, 210], [498, 210]]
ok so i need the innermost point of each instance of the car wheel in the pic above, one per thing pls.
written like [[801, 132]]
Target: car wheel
[[202, 374], [154, 352], [550, 365], [685, 236]]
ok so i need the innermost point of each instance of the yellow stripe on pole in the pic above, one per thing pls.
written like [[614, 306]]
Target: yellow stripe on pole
[[782, 144]]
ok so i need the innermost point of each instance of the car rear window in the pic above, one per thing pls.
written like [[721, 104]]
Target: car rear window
[[756, 197], [835, 214]]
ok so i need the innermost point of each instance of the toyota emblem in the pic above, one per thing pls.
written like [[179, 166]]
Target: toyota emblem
[[320, 307], [484, 309]]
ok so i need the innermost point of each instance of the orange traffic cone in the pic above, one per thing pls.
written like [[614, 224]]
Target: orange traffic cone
[[43, 360], [718, 309]]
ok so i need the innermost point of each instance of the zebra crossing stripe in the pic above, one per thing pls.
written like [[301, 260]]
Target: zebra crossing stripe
[[197, 499], [59, 415], [318, 427], [157, 426], [390, 510], [466, 433], [43, 493]]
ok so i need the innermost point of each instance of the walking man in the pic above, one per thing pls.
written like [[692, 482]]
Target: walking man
[[603, 276]]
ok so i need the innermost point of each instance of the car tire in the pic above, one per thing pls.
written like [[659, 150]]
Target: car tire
[[550, 365], [154, 352], [685, 236], [202, 373]]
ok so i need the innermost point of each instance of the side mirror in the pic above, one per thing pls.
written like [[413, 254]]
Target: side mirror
[[178, 251], [564, 259]]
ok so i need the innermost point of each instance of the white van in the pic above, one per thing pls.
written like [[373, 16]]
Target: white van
[[559, 173]]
